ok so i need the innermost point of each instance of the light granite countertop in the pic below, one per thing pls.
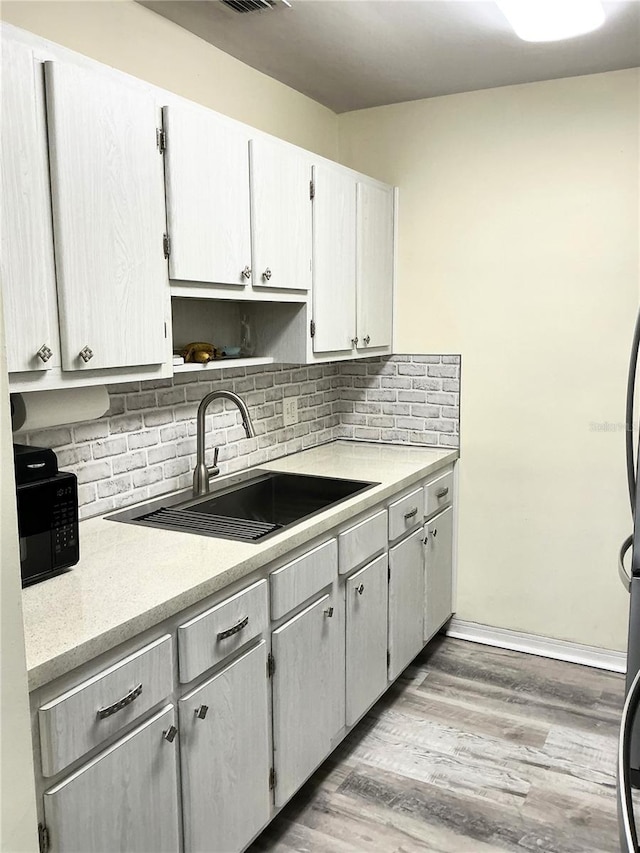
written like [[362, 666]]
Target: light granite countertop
[[130, 577]]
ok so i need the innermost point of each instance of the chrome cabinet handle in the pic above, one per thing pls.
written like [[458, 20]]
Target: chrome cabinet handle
[[360, 589], [354, 342], [44, 353], [442, 493], [267, 274], [222, 635], [246, 272], [86, 354], [411, 513], [120, 704], [367, 340], [328, 612], [170, 734], [435, 532], [201, 712]]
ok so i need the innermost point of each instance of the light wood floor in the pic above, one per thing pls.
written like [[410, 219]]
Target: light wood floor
[[474, 750]]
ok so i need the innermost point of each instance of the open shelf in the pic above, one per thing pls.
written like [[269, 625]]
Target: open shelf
[[221, 364]]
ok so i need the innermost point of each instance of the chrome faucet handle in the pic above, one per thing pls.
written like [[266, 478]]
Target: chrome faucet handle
[[213, 470]]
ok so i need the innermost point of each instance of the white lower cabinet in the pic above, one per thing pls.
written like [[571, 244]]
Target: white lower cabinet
[[438, 539], [406, 597], [251, 731], [366, 646], [308, 692], [124, 799], [226, 756]]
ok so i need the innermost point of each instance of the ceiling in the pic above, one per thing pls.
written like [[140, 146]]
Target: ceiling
[[352, 54]]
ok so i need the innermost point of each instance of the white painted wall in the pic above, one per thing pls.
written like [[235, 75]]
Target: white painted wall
[[18, 832], [136, 40], [518, 247]]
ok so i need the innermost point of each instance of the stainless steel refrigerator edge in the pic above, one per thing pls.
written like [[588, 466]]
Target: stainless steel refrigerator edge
[[629, 747]]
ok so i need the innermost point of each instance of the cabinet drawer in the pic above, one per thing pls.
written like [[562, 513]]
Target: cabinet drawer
[[362, 542], [83, 717], [208, 638], [405, 514], [294, 583], [438, 494]]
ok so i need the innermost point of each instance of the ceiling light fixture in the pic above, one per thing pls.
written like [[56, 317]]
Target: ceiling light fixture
[[552, 20]]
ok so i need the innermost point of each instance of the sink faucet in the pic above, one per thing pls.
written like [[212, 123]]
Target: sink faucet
[[201, 472]]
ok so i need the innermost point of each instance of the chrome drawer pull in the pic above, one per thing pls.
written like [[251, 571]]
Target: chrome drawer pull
[[360, 589], [328, 612], [411, 513], [170, 734], [120, 704], [236, 628], [201, 712], [442, 493]]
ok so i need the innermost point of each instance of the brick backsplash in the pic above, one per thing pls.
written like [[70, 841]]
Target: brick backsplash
[[145, 444]]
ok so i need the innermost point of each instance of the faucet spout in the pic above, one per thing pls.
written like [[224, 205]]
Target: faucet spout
[[201, 472]]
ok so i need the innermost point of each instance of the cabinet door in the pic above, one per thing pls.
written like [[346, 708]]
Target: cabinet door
[[280, 216], [308, 692], [406, 597], [108, 218], [374, 265], [207, 179], [124, 799], [366, 652], [26, 256], [225, 754], [438, 572], [334, 259]]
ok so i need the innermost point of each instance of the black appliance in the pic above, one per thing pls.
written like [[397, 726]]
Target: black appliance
[[47, 514]]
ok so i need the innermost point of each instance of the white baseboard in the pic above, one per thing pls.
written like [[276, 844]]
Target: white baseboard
[[533, 644]]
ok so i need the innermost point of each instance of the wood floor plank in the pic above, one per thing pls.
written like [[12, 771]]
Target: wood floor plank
[[473, 750]]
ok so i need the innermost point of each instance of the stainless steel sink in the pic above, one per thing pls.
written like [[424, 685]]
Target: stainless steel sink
[[248, 507]]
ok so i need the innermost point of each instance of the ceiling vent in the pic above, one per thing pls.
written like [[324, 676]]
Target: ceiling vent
[[254, 5]]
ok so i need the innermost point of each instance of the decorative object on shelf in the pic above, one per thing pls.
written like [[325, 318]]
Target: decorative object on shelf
[[247, 344], [231, 352], [178, 358], [199, 352]]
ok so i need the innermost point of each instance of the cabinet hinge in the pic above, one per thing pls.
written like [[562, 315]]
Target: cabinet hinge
[[388, 658], [43, 838], [312, 190], [312, 328], [273, 779], [271, 665], [161, 140], [166, 245], [165, 330], [388, 573]]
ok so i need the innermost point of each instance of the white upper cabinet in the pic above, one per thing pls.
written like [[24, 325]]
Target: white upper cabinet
[[280, 215], [375, 216], [334, 259], [207, 186], [26, 249], [109, 220]]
